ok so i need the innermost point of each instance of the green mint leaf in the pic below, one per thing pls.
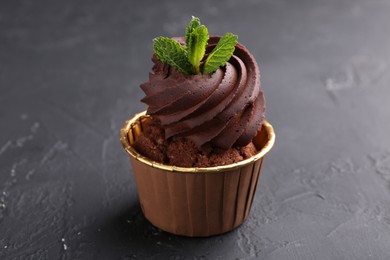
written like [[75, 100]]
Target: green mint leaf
[[196, 47], [221, 53], [194, 23], [172, 53]]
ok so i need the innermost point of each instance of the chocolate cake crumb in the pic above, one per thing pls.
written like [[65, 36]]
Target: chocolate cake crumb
[[145, 146], [222, 157], [183, 152], [249, 150], [151, 143]]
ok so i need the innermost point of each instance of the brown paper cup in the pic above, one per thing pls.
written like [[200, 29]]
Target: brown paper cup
[[195, 201]]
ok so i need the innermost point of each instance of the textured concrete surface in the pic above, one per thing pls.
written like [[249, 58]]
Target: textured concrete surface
[[69, 77]]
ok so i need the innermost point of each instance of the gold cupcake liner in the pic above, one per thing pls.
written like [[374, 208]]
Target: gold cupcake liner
[[195, 201]]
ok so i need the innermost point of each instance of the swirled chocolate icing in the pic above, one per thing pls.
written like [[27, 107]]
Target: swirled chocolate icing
[[223, 109]]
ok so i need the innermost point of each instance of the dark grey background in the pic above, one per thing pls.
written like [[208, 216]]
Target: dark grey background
[[69, 78]]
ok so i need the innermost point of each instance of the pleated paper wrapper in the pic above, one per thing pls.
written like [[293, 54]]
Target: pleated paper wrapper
[[195, 202]]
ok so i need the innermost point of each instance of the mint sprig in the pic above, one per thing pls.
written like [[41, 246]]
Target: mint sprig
[[221, 53], [196, 47], [194, 23], [172, 53], [188, 59]]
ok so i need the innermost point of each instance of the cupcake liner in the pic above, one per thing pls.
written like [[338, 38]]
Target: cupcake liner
[[195, 201]]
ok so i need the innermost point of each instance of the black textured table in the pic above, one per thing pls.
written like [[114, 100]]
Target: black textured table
[[69, 78]]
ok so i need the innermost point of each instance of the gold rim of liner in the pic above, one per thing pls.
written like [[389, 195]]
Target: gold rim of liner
[[130, 150]]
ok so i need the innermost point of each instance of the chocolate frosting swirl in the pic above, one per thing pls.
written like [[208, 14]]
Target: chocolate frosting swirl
[[224, 109]]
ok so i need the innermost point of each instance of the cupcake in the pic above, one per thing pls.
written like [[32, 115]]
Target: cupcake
[[198, 149]]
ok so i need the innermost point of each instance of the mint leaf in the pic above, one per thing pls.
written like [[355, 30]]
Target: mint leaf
[[196, 47], [221, 53], [172, 53], [194, 23]]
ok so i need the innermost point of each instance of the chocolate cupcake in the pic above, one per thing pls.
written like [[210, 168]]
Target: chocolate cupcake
[[198, 149]]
